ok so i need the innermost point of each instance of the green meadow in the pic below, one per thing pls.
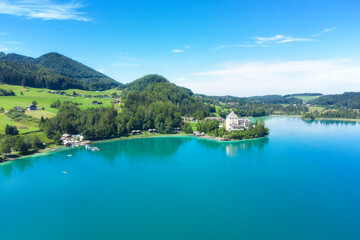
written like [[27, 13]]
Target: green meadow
[[44, 100], [307, 98]]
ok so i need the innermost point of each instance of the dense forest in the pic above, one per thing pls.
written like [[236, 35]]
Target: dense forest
[[345, 100], [53, 71]]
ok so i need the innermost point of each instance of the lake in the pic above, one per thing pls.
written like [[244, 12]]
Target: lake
[[302, 182]]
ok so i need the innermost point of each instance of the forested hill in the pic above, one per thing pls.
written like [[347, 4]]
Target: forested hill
[[347, 100], [155, 90], [53, 71]]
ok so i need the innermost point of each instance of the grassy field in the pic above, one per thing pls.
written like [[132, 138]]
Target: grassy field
[[22, 126], [44, 100], [319, 109], [307, 98]]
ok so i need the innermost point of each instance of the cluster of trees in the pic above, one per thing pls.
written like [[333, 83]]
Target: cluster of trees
[[211, 128], [303, 94], [21, 144], [350, 100], [53, 71], [277, 99], [11, 130], [4, 92], [58, 103], [262, 109], [345, 113]]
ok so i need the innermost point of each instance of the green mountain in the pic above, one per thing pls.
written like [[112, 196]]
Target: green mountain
[[53, 71]]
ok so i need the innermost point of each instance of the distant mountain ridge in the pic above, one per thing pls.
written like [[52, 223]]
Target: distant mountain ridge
[[52, 70]]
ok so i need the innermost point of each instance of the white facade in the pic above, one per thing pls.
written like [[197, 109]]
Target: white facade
[[233, 122]]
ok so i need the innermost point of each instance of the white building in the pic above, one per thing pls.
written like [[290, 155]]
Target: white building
[[233, 122]]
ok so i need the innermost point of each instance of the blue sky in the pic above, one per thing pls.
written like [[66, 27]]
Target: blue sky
[[242, 48]]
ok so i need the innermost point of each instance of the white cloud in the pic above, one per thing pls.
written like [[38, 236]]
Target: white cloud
[[269, 39], [11, 43], [276, 40], [43, 9], [101, 70], [4, 49], [180, 79], [241, 46], [326, 30], [180, 50], [277, 77], [177, 51], [279, 39]]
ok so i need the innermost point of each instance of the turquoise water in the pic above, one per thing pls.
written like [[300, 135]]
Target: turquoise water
[[302, 182]]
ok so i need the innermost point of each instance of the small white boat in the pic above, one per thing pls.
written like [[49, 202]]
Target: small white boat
[[69, 155], [95, 149]]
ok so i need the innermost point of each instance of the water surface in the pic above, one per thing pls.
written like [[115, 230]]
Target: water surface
[[302, 182]]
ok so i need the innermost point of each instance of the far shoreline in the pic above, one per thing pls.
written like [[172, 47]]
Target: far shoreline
[[44, 152]]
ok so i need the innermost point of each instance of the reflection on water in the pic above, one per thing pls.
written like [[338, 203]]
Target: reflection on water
[[330, 122], [145, 149], [159, 147], [232, 148]]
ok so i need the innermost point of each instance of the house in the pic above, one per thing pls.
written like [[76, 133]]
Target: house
[[24, 90], [151, 131], [233, 122], [31, 107], [72, 140], [95, 103], [220, 119], [116, 100], [190, 119], [177, 130], [19, 109], [198, 134], [136, 132]]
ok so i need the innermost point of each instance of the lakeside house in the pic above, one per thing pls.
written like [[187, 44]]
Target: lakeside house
[[220, 119], [177, 130], [233, 122], [72, 140], [31, 107], [198, 134], [136, 132], [152, 131]]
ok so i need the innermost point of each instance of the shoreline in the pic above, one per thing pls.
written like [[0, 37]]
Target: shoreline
[[61, 148], [334, 119]]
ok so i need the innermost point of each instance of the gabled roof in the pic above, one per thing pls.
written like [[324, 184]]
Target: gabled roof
[[232, 115]]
